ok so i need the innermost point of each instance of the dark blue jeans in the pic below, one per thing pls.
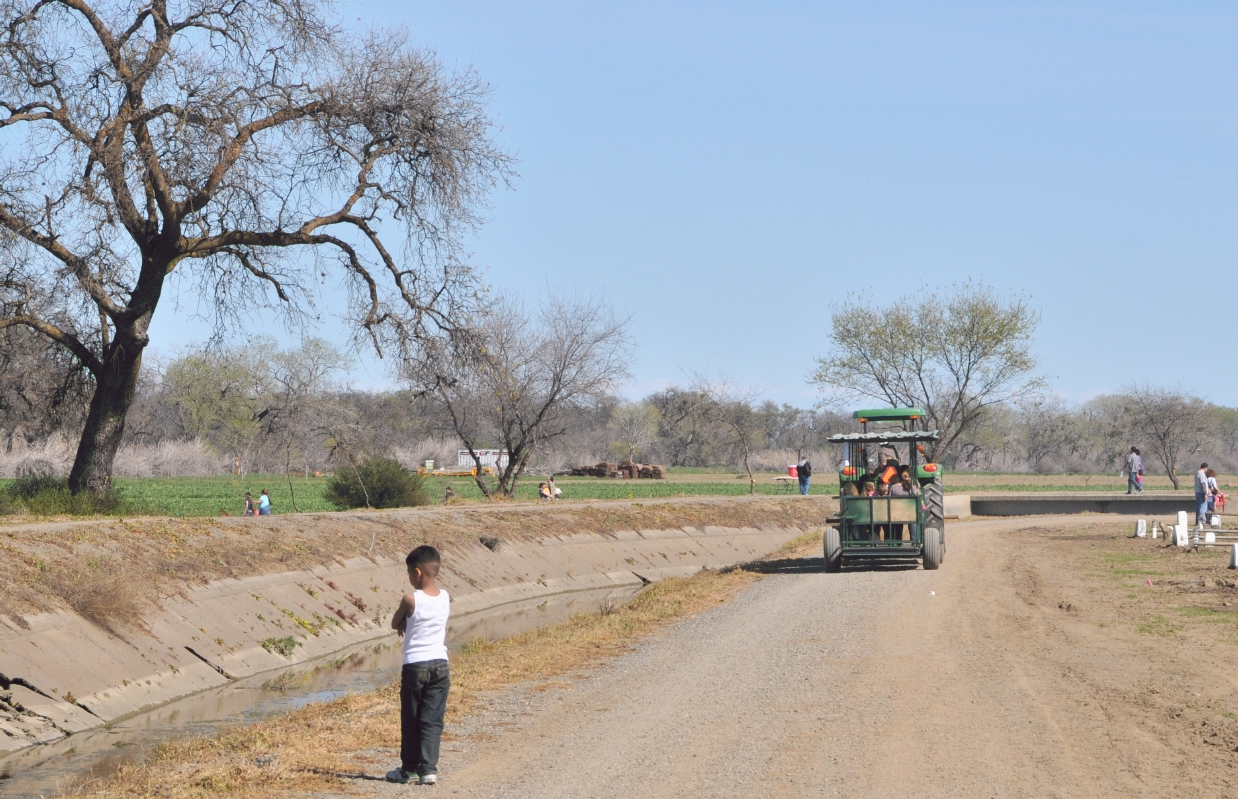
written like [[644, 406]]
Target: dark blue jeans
[[804, 484], [423, 700]]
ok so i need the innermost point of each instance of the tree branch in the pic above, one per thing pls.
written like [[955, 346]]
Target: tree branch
[[59, 335]]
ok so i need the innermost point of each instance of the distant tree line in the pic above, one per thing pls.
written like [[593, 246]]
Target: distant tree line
[[276, 410]]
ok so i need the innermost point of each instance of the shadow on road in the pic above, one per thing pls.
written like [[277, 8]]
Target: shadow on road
[[347, 775], [881, 565], [785, 566], [811, 565]]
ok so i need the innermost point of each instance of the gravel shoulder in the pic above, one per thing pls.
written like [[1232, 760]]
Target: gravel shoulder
[[1017, 670]]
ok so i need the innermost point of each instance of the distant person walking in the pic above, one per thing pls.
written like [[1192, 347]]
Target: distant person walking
[[1214, 490], [264, 504], [1134, 471], [251, 509], [1201, 495], [804, 472], [556, 493]]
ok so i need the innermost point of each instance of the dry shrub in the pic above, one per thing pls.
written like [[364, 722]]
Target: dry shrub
[[169, 459], [440, 449], [55, 455], [101, 593]]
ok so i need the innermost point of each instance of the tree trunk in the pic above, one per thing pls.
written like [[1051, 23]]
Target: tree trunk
[[115, 385], [1173, 478]]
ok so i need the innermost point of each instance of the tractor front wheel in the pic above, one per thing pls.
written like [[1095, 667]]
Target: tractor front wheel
[[833, 550], [934, 547]]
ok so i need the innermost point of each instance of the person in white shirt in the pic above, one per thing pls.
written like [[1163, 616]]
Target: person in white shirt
[[425, 679]]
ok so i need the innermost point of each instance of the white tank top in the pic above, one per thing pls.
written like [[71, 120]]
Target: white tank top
[[425, 633]]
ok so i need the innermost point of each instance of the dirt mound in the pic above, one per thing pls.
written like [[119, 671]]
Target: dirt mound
[[628, 469]]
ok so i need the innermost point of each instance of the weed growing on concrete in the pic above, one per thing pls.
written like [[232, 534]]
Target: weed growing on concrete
[[281, 646]]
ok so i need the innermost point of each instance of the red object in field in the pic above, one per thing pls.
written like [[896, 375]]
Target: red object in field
[[930, 467], [850, 471], [793, 471]]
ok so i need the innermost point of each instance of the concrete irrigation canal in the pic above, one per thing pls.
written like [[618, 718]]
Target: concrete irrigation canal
[[1035, 672], [83, 688]]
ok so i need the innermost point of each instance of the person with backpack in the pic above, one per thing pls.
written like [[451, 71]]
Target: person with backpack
[[804, 472]]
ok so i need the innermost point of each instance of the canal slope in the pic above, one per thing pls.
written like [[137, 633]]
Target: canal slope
[[100, 620]]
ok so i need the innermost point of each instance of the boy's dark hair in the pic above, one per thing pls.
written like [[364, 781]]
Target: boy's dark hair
[[426, 558]]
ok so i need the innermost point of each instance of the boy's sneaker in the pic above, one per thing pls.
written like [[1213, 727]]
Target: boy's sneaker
[[401, 776], [428, 779]]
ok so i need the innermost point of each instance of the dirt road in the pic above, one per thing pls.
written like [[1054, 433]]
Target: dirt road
[[1008, 673]]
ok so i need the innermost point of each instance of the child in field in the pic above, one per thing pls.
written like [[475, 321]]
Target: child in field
[[425, 679]]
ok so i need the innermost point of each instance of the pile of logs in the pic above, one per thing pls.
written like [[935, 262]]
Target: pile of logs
[[626, 469]]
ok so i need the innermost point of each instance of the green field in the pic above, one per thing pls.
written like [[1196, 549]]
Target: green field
[[212, 496]]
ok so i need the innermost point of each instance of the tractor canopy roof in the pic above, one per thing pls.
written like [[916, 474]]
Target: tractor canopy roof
[[888, 414], [884, 436]]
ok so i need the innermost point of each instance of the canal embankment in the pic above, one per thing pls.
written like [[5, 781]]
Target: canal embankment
[[102, 620]]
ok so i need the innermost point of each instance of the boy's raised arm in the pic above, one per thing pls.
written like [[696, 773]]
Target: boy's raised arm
[[402, 613]]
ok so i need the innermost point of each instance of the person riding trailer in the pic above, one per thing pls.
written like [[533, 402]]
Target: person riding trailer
[[903, 515]]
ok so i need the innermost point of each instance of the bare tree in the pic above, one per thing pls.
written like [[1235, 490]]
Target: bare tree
[[512, 382], [42, 389], [953, 355], [799, 430], [731, 409], [1050, 431], [1173, 423], [686, 433], [244, 147], [634, 425], [301, 408]]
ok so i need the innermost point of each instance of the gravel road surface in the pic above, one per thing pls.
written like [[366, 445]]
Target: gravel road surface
[[965, 682]]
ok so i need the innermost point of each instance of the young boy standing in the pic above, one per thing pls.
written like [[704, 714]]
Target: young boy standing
[[425, 679]]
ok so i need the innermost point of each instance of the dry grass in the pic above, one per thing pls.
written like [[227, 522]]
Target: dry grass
[[103, 596], [41, 563], [318, 747]]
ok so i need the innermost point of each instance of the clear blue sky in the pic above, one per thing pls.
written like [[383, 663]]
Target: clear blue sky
[[725, 171]]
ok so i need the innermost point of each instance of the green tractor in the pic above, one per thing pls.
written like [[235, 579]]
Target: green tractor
[[890, 504]]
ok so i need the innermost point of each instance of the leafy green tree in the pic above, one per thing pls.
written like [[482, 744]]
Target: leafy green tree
[[954, 354], [219, 396]]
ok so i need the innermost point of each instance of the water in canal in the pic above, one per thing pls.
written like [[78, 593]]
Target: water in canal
[[41, 771]]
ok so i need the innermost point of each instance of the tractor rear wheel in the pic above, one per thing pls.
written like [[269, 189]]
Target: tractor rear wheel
[[935, 505], [833, 550], [934, 547], [935, 512]]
